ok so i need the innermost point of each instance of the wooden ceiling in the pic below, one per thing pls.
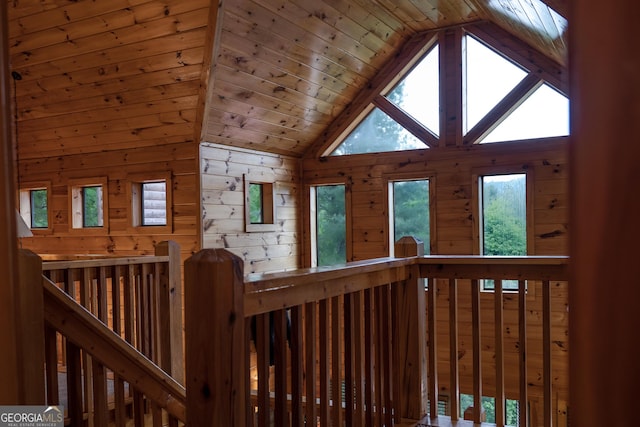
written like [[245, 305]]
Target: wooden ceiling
[[270, 75]]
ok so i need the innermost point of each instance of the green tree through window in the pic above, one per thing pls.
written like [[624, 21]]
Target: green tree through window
[[39, 209], [92, 206], [331, 241]]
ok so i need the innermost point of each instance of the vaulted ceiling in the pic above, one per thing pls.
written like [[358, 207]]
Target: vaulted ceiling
[[270, 75]]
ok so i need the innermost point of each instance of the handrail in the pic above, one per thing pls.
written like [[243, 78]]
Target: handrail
[[102, 262], [90, 334]]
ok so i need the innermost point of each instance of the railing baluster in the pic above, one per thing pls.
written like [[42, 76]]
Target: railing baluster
[[99, 375], [477, 351], [88, 299], [433, 354], [280, 377], [51, 361], [368, 359], [546, 345], [336, 366], [499, 348], [297, 415], [387, 356], [310, 314], [118, 273], [378, 391], [74, 385], [453, 350], [324, 358], [349, 347], [263, 363], [523, 415], [358, 377]]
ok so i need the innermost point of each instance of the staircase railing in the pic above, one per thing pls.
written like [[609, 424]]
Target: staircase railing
[[138, 299], [351, 345]]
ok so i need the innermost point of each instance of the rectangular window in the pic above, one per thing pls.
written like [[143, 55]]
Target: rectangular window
[[328, 202], [410, 211], [154, 203], [34, 206], [503, 204], [89, 203], [259, 210], [150, 202]]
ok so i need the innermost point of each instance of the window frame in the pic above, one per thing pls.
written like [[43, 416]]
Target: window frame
[[311, 197], [389, 179], [268, 205], [24, 199], [76, 205], [476, 194], [134, 199]]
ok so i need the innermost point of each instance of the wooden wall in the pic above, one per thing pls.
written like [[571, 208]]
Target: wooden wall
[[222, 171], [121, 168], [454, 211], [110, 89]]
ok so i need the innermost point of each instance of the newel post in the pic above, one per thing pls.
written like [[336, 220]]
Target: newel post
[[215, 340], [31, 329], [172, 352], [411, 334]]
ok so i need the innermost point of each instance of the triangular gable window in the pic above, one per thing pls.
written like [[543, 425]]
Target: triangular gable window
[[489, 77], [418, 93], [498, 99], [378, 133], [545, 113]]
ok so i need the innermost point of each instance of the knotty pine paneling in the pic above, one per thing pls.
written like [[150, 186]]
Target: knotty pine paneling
[[222, 173], [453, 170], [118, 237]]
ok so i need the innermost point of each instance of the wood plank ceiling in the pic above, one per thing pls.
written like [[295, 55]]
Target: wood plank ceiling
[[101, 75]]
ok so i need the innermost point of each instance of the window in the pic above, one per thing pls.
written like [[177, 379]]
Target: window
[[150, 201], [415, 98], [34, 206], [329, 230], [378, 133], [503, 218], [489, 78], [512, 408], [409, 207], [88, 203], [259, 205]]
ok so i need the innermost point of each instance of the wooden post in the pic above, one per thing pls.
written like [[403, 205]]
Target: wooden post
[[215, 339], [170, 309], [411, 334], [31, 328], [10, 359], [605, 232]]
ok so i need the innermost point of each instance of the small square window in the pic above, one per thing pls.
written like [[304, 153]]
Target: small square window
[[34, 206], [259, 205], [150, 202], [88, 203]]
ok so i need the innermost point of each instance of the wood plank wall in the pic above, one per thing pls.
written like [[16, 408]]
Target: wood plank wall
[[453, 169], [109, 89], [121, 168], [222, 172]]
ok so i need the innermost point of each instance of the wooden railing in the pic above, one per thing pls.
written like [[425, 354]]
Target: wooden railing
[[137, 299], [346, 345]]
